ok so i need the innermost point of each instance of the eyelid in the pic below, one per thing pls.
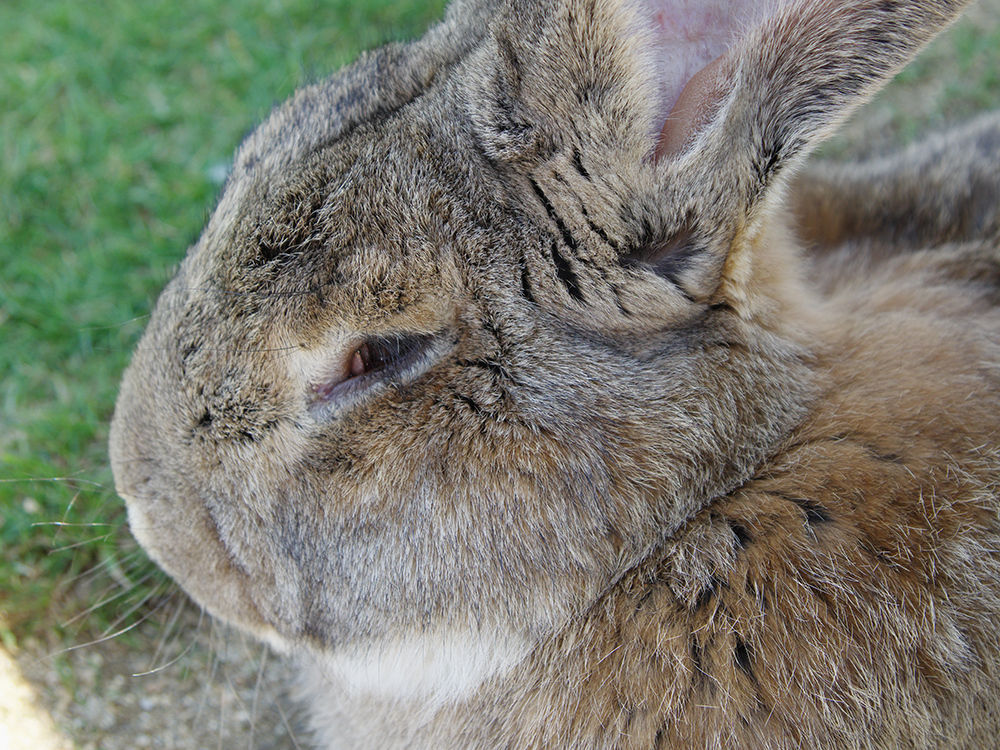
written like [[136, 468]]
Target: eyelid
[[404, 357]]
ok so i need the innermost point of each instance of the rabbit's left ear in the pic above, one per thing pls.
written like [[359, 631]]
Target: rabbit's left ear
[[682, 116]]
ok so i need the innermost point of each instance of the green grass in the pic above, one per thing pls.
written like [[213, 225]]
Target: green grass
[[957, 77], [117, 122]]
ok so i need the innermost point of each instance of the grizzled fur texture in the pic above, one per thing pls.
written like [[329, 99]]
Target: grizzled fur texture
[[526, 391]]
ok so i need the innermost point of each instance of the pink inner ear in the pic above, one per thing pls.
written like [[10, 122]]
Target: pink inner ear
[[689, 36], [695, 106]]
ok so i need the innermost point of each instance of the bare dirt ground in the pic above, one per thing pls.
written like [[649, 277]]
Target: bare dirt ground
[[190, 685], [205, 686]]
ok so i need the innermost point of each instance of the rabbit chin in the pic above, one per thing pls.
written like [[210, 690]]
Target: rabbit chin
[[431, 669]]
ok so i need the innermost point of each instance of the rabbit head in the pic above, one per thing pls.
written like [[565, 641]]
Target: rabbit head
[[482, 318]]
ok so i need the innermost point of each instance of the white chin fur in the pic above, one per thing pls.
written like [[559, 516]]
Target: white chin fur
[[430, 669]]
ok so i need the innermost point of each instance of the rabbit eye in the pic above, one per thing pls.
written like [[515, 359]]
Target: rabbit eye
[[365, 360], [376, 362], [391, 354]]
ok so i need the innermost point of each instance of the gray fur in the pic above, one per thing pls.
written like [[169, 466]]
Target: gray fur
[[637, 470]]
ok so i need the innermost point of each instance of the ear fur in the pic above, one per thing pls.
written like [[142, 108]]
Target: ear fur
[[702, 115]]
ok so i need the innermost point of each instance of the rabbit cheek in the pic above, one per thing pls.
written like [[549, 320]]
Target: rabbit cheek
[[175, 522], [197, 450], [211, 533]]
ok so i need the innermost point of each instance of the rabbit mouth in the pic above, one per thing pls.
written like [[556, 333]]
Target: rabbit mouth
[[204, 570]]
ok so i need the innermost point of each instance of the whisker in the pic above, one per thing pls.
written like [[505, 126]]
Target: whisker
[[146, 596], [66, 480], [108, 637], [233, 690], [143, 600], [212, 670], [222, 350], [287, 724], [111, 566], [116, 326], [265, 651], [67, 525], [83, 543], [161, 646]]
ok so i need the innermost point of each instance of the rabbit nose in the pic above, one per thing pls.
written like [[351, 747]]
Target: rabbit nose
[[169, 511]]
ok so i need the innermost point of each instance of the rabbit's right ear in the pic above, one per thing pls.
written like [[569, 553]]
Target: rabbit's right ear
[[669, 124]]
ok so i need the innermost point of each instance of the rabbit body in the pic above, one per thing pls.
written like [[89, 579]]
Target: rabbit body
[[525, 391]]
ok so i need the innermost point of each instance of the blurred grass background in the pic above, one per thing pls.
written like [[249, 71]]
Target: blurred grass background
[[117, 123]]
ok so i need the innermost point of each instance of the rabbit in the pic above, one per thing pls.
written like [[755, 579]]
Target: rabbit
[[528, 390]]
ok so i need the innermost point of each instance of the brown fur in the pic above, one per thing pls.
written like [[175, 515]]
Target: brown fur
[[658, 477]]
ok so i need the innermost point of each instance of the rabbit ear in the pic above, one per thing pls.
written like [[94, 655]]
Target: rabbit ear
[[795, 75], [698, 108]]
